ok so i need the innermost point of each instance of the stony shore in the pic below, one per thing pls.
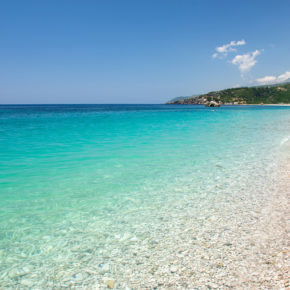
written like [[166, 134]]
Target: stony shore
[[227, 241], [221, 240]]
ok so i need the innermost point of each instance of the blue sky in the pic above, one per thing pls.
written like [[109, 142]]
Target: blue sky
[[105, 51]]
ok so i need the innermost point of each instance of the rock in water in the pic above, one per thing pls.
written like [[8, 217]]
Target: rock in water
[[110, 284], [212, 104]]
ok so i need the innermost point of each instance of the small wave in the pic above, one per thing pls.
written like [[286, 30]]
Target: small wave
[[284, 140]]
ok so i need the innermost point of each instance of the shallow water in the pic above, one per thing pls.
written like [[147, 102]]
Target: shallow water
[[83, 186]]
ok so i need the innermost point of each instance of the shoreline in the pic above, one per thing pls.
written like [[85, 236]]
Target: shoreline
[[230, 241], [275, 226], [249, 253], [278, 105], [237, 105]]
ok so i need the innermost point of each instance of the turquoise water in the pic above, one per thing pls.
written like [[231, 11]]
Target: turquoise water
[[76, 181]]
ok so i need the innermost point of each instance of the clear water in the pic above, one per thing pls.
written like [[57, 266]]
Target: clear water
[[77, 181]]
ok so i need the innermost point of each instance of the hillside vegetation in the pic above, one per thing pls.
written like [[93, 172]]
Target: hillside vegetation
[[275, 94]]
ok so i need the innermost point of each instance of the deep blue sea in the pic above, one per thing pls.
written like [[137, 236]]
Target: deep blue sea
[[78, 181]]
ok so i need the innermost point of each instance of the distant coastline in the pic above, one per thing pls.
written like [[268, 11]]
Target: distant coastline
[[278, 95]]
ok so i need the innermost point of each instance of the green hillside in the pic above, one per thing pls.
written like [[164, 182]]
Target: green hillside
[[275, 94]]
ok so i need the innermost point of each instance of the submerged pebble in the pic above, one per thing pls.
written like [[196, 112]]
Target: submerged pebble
[[173, 269], [26, 282], [104, 268], [110, 284]]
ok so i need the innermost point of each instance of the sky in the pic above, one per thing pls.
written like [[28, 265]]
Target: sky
[[139, 51]]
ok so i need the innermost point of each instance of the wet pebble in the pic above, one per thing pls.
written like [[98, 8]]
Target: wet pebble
[[26, 282]]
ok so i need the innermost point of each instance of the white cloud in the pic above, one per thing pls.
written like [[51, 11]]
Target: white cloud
[[283, 77], [245, 62], [215, 55], [274, 79], [226, 48], [266, 80]]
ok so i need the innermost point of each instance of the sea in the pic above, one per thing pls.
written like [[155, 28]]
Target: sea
[[84, 189]]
